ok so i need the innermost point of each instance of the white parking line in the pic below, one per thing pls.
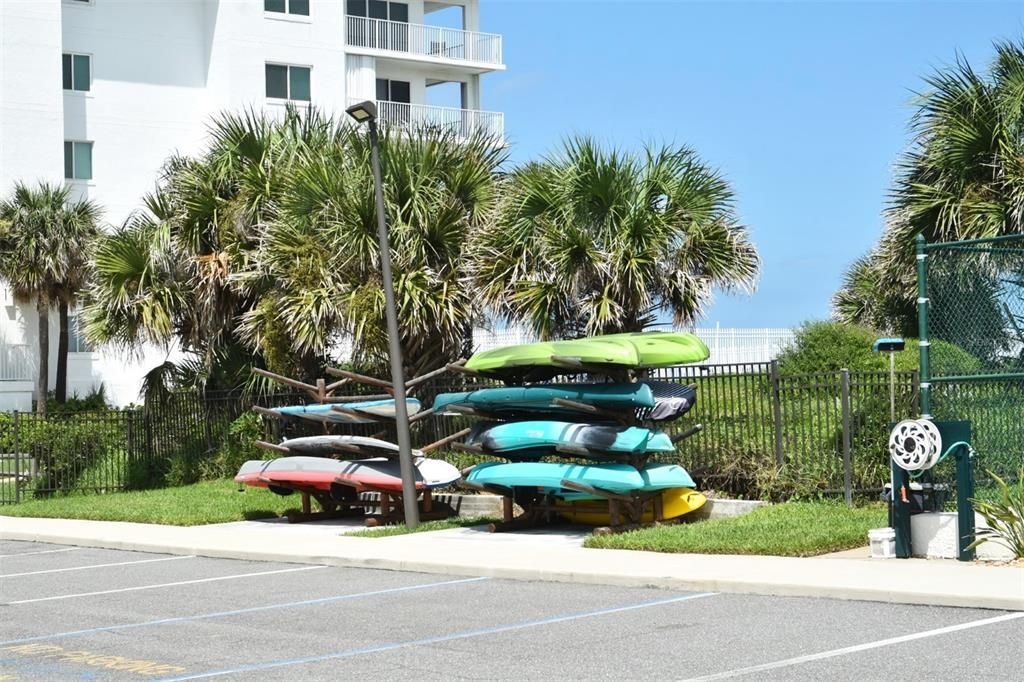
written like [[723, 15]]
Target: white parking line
[[153, 587], [785, 663], [440, 639], [83, 568], [44, 551]]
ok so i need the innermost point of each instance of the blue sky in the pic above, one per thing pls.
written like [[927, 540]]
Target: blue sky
[[802, 105]]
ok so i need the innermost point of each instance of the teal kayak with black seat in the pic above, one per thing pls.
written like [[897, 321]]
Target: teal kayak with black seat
[[539, 399], [532, 439], [547, 477]]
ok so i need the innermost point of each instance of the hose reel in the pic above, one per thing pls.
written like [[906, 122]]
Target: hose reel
[[915, 444]]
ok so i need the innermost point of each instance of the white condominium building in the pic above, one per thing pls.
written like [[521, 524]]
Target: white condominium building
[[99, 93]]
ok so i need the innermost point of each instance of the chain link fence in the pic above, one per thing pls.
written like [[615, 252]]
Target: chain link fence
[[974, 320]]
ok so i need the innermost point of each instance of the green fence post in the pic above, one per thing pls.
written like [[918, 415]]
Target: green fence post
[[844, 384], [17, 458], [780, 459]]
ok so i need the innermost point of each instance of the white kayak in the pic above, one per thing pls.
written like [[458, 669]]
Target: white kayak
[[329, 446]]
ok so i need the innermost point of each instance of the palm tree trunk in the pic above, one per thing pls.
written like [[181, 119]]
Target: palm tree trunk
[[63, 342], [43, 380]]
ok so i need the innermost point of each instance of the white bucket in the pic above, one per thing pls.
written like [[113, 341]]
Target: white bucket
[[883, 543]]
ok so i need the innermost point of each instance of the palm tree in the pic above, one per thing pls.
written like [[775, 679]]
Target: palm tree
[[264, 248], [961, 178], [597, 241], [321, 251], [166, 275], [45, 259]]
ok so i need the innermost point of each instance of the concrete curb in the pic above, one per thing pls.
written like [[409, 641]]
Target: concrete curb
[[906, 582]]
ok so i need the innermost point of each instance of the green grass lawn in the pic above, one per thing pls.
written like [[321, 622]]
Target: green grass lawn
[[190, 505], [791, 529], [444, 524]]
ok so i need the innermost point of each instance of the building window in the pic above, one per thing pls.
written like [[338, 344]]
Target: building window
[[378, 9], [76, 335], [299, 7], [394, 91], [77, 160], [288, 82], [77, 72]]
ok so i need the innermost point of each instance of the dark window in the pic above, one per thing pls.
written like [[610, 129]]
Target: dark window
[[394, 91], [76, 68], [290, 6], [398, 11], [288, 82], [78, 160], [357, 8], [378, 9], [277, 81], [298, 83], [400, 92], [69, 159], [66, 63]]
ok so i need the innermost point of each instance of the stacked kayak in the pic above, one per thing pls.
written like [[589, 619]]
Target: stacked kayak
[[332, 464], [609, 430], [285, 474]]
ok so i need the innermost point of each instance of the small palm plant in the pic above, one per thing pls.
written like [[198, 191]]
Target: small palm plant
[[1004, 516]]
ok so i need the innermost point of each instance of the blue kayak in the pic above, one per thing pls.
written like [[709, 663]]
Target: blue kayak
[[374, 411], [547, 477], [532, 439]]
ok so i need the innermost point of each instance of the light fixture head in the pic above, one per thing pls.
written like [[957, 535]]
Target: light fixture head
[[362, 112]]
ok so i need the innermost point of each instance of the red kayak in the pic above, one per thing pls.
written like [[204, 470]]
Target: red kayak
[[319, 473]]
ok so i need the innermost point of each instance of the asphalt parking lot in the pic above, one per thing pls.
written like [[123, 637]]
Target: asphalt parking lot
[[71, 613]]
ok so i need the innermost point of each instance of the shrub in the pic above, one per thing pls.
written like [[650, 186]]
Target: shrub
[[94, 401], [1004, 515], [236, 448], [824, 346]]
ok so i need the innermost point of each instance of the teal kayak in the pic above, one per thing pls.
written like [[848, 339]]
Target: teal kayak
[[656, 401], [537, 361], [547, 477], [532, 439], [373, 410], [538, 399]]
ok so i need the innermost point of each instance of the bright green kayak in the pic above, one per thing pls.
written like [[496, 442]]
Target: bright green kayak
[[548, 476], [535, 361], [539, 399]]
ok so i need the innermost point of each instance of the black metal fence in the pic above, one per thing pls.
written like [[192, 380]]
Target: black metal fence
[[765, 434]]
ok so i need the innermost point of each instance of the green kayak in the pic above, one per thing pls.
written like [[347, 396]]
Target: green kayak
[[543, 360]]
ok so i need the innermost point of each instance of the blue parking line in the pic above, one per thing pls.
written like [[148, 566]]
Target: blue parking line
[[391, 646], [237, 612]]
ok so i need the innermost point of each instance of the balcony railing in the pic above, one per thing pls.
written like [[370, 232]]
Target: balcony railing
[[462, 122], [422, 40]]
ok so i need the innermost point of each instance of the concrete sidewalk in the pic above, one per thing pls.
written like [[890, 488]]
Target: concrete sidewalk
[[550, 555]]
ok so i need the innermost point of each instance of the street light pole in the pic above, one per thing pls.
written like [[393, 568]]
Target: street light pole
[[367, 111]]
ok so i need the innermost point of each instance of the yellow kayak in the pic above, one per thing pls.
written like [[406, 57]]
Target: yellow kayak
[[675, 502]]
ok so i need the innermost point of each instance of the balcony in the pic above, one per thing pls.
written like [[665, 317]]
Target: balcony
[[436, 44], [463, 122]]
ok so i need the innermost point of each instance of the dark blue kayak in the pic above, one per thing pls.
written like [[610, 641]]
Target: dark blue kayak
[[648, 401]]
